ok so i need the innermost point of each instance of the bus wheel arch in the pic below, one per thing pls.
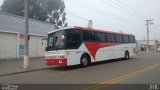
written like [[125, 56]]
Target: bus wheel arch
[[126, 55], [85, 60]]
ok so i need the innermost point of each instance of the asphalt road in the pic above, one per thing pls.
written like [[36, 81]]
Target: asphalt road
[[141, 69]]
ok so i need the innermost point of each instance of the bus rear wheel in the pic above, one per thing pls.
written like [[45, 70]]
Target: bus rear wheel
[[84, 61], [127, 57]]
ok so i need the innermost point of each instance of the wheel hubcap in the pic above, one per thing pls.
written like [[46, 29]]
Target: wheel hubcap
[[85, 61], [127, 57]]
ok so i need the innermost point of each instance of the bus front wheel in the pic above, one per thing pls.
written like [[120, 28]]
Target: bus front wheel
[[84, 61]]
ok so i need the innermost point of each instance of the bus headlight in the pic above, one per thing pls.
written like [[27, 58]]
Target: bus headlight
[[60, 61]]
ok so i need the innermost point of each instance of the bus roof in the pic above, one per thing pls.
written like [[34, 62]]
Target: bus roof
[[91, 29]]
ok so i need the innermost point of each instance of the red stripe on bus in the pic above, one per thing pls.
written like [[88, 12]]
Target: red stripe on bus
[[94, 47]]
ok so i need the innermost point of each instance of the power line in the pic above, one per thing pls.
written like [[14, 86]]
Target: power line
[[77, 16], [117, 8], [126, 20], [131, 8], [112, 15], [157, 26], [134, 10], [127, 9], [89, 21], [96, 10], [122, 7]]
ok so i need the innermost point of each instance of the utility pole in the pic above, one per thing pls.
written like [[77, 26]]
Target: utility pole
[[148, 22], [90, 23], [26, 56]]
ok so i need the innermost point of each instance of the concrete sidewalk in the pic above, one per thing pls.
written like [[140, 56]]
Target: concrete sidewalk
[[14, 66]]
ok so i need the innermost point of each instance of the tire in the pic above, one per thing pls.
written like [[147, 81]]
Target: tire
[[127, 57], [84, 61]]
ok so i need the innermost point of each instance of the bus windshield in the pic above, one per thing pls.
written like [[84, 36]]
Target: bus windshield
[[66, 39], [56, 41]]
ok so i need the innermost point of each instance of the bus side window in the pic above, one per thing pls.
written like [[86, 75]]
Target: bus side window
[[121, 39], [126, 39], [100, 37], [106, 38], [73, 38], [111, 38], [88, 36], [132, 39], [117, 38]]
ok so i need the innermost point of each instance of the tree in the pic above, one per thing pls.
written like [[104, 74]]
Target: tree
[[52, 11]]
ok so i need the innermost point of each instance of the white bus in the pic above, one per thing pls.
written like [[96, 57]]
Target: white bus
[[82, 46]]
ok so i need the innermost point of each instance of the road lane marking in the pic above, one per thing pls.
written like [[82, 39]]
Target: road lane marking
[[123, 77]]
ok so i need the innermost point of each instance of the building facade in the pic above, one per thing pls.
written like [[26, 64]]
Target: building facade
[[12, 30], [142, 45]]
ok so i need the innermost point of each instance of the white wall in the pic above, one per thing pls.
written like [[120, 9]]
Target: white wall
[[10, 41], [36, 49], [8, 45]]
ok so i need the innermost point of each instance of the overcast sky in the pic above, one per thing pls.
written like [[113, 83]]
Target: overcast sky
[[1, 1], [127, 16]]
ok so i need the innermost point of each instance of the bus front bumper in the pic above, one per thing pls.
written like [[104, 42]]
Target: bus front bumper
[[56, 62]]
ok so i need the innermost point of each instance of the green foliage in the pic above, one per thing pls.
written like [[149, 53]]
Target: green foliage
[[51, 11]]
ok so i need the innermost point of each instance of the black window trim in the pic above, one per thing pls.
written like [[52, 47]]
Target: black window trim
[[106, 39]]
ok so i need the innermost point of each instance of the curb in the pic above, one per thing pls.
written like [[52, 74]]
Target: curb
[[20, 59], [24, 71]]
